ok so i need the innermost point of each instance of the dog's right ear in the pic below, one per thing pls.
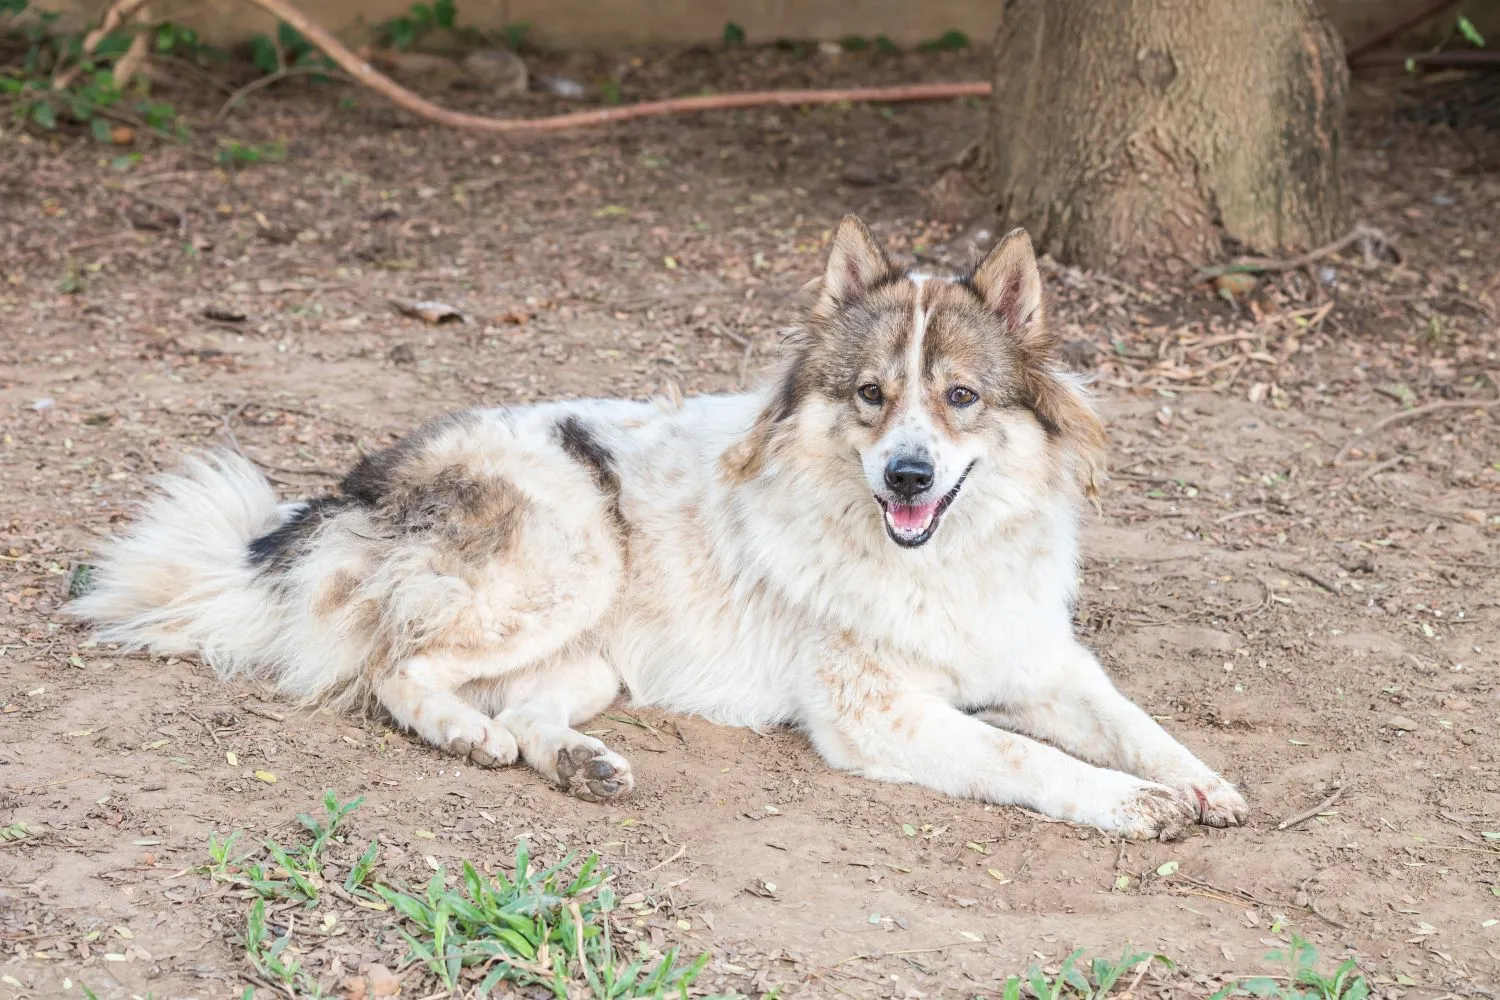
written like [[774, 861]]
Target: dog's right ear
[[855, 263]]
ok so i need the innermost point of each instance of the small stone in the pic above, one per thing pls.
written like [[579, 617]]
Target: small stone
[[1474, 516], [564, 87], [1236, 284], [498, 71], [1401, 723], [402, 354]]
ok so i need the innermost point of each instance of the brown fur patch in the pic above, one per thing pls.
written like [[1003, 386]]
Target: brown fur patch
[[335, 592]]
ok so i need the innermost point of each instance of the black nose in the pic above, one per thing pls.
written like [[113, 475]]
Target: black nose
[[908, 477]]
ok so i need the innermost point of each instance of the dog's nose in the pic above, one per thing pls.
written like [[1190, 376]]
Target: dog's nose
[[907, 476]]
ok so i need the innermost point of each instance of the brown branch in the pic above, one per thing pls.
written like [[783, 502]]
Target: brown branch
[[1308, 814], [1448, 59], [1404, 415], [1405, 21], [119, 12], [1260, 264], [398, 95]]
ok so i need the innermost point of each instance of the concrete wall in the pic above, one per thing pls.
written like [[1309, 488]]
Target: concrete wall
[[607, 23]]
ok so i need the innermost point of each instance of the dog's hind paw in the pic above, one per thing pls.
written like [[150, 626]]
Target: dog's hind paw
[[593, 772], [1216, 802]]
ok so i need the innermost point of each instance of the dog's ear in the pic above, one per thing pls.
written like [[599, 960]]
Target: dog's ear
[[1010, 284], [855, 263]]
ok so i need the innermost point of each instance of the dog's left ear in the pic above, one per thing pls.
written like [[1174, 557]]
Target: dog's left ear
[[1010, 284]]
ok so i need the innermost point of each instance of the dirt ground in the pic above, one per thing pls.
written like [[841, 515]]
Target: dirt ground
[[1305, 620]]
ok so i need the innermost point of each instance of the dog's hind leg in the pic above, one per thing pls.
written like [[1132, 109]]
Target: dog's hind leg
[[1071, 702], [542, 706], [420, 695]]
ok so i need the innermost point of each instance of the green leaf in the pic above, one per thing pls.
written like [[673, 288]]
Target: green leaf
[[1169, 869], [1470, 33], [99, 128], [444, 13], [44, 114], [733, 34]]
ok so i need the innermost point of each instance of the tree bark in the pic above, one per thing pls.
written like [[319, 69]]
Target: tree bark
[[1135, 130]]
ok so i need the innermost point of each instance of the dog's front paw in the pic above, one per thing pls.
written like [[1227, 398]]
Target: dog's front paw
[[485, 744], [1215, 801], [1147, 811]]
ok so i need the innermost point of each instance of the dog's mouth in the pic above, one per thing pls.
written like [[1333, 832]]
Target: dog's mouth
[[911, 525]]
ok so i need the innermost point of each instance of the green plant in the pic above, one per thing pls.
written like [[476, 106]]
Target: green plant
[[514, 34], [285, 51], [1073, 981], [546, 927], [1471, 34], [416, 24], [948, 41], [56, 81], [236, 154], [1346, 982], [532, 930], [733, 34]]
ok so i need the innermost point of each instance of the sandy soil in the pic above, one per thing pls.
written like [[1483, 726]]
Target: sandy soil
[[1302, 623]]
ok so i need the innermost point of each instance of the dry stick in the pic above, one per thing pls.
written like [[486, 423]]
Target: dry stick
[[398, 95], [1451, 59], [1359, 232], [1308, 814], [1404, 21], [119, 12], [265, 81], [1404, 415]]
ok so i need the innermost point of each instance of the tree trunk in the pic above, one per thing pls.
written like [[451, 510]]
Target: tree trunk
[[1135, 130]]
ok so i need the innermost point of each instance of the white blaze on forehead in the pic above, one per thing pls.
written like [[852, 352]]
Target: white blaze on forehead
[[915, 414]]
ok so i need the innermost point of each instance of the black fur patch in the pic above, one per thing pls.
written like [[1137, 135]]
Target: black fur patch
[[275, 551], [587, 450], [370, 480]]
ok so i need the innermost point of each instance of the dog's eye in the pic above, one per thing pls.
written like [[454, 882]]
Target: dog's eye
[[870, 393], [962, 395]]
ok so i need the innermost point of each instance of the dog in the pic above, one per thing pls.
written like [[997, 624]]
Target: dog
[[878, 547]]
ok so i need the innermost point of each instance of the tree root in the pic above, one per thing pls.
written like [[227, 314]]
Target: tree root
[[365, 74], [1368, 235], [1404, 415]]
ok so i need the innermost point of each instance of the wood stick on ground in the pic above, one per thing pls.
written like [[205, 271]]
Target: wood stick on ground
[[398, 95], [1308, 814], [1409, 18], [1405, 415], [117, 14], [1260, 264]]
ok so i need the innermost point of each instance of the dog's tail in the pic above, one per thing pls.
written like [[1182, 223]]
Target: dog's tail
[[183, 581]]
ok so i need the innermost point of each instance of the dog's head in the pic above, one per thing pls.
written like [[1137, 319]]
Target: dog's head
[[935, 384]]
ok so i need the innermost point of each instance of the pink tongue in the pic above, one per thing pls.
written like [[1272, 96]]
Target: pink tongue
[[908, 518]]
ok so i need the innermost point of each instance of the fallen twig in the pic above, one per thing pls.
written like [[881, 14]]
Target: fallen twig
[[1404, 415], [1308, 814], [1261, 264], [1312, 577], [265, 81], [117, 14], [1404, 21]]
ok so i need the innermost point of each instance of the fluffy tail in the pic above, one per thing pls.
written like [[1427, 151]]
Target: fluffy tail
[[181, 582]]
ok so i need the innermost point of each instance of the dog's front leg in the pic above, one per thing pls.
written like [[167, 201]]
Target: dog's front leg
[[868, 721], [1068, 700]]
